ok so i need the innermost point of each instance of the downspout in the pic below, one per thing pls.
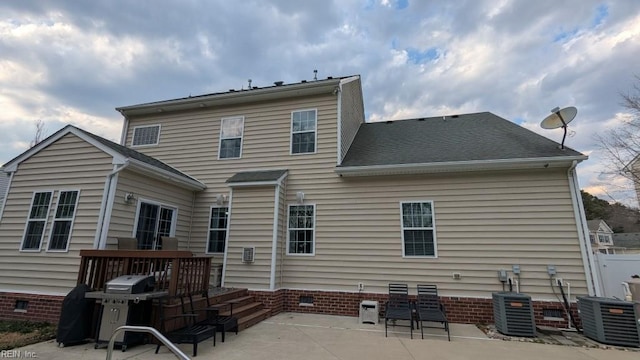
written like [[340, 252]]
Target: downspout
[[106, 207], [339, 135], [274, 242], [593, 284], [193, 205], [226, 240]]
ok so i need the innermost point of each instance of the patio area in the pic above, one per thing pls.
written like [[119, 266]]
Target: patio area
[[289, 336]]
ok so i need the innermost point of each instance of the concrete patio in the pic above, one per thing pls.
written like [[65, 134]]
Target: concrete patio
[[290, 336]]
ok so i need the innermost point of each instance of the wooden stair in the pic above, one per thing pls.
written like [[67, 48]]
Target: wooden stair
[[244, 307]]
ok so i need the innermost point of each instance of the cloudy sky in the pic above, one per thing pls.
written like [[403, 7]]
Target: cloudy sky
[[73, 62]]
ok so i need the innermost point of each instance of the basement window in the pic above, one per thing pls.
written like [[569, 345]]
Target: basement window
[[553, 314], [21, 306], [306, 300]]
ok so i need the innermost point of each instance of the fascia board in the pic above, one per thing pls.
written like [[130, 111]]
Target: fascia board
[[458, 166]]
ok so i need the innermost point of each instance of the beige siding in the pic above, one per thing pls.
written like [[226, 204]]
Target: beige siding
[[68, 164], [142, 187], [251, 225], [282, 235], [484, 221], [351, 113]]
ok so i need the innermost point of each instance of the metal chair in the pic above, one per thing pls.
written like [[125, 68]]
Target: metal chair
[[429, 308], [398, 306]]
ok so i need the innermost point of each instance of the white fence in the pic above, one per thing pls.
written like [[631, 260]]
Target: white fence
[[613, 270]]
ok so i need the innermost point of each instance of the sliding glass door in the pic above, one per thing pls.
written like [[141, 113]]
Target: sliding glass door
[[154, 220]]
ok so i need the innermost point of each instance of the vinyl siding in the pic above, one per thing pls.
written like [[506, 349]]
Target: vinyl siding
[[484, 221], [4, 185], [143, 187], [251, 225], [282, 235], [351, 113], [68, 164]]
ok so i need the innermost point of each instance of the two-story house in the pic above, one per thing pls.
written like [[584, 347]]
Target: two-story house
[[303, 202]]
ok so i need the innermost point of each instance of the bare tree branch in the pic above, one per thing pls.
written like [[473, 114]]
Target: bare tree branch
[[37, 137]]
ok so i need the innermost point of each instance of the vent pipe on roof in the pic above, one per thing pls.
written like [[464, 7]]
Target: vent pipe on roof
[[315, 75], [278, 83]]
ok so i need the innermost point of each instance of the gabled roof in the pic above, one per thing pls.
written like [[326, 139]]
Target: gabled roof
[[598, 225], [121, 156], [447, 143]]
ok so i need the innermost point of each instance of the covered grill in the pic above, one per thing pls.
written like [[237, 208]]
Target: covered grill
[[125, 301]]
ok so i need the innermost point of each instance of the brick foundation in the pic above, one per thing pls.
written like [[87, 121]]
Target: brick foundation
[[40, 307], [459, 309]]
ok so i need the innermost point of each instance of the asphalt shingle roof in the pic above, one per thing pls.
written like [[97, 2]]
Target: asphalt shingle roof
[[468, 137], [256, 176]]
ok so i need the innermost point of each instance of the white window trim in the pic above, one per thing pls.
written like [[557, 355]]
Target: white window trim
[[433, 219], [73, 219], [226, 235], [229, 138], [46, 221], [313, 250], [174, 220], [133, 133], [315, 148]]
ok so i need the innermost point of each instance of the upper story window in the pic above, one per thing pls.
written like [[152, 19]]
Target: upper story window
[[231, 130], [63, 221], [418, 229], [604, 239], [303, 131], [146, 135], [37, 220]]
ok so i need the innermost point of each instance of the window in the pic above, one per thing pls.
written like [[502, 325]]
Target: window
[[231, 138], [303, 131], [418, 229], [301, 230], [153, 221], [217, 229], [37, 220], [63, 220], [145, 135], [604, 238]]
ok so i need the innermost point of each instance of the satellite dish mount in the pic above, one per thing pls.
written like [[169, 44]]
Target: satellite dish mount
[[560, 118]]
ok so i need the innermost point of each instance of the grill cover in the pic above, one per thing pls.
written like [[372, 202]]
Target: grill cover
[[130, 284]]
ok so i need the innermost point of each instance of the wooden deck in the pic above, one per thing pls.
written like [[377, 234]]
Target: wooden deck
[[178, 272]]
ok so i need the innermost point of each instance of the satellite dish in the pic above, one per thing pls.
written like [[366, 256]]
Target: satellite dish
[[559, 119]]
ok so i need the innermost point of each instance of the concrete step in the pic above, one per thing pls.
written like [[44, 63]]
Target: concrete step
[[253, 318]]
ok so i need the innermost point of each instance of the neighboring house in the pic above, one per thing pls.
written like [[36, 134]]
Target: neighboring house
[[333, 208], [627, 243], [601, 236]]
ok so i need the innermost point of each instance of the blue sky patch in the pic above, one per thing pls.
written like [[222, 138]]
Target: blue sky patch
[[400, 4], [602, 12], [420, 57], [564, 36]]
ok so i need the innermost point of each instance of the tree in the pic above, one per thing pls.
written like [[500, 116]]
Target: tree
[[621, 146], [37, 137]]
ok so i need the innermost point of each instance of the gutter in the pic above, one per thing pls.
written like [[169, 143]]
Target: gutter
[[449, 166], [189, 183], [593, 283], [106, 206]]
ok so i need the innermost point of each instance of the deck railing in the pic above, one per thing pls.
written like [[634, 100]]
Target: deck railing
[[178, 272]]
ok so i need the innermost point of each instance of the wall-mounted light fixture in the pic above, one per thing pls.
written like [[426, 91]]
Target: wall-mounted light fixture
[[128, 198], [300, 197], [221, 199]]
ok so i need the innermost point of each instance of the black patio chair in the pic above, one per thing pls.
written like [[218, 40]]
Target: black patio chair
[[398, 306], [189, 330], [430, 309], [222, 323]]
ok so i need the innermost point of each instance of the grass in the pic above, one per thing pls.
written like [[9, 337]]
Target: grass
[[14, 334]]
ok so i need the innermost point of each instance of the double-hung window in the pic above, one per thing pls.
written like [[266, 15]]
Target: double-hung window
[[418, 229], [37, 220], [146, 135], [301, 230], [231, 130], [217, 229], [63, 220], [303, 131]]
